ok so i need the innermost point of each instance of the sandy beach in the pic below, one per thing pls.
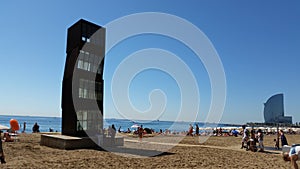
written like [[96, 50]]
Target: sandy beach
[[216, 152]]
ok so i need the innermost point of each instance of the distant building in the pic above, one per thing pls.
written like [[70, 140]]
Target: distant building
[[274, 110], [82, 88]]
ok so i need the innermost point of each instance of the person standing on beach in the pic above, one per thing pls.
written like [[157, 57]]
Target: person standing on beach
[[197, 130], [2, 158], [260, 138], [283, 139], [220, 131], [252, 141], [190, 133], [245, 137], [140, 132], [24, 127], [113, 133]]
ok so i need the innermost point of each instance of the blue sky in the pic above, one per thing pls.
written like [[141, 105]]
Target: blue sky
[[257, 42]]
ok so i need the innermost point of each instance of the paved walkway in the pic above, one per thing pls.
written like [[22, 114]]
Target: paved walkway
[[235, 148]]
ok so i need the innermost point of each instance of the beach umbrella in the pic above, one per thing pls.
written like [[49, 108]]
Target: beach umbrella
[[135, 126], [2, 127]]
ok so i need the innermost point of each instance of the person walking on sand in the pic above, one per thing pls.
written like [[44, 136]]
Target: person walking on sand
[[2, 158]]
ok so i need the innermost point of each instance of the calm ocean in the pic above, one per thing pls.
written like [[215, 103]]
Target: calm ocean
[[44, 122], [157, 125], [55, 123]]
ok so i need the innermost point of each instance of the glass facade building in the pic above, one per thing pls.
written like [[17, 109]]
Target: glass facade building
[[274, 110], [82, 89]]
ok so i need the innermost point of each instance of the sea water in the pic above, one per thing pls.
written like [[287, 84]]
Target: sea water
[[45, 123], [157, 125], [54, 123]]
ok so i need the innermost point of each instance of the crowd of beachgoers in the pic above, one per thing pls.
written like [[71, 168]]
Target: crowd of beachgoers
[[222, 148], [207, 131]]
